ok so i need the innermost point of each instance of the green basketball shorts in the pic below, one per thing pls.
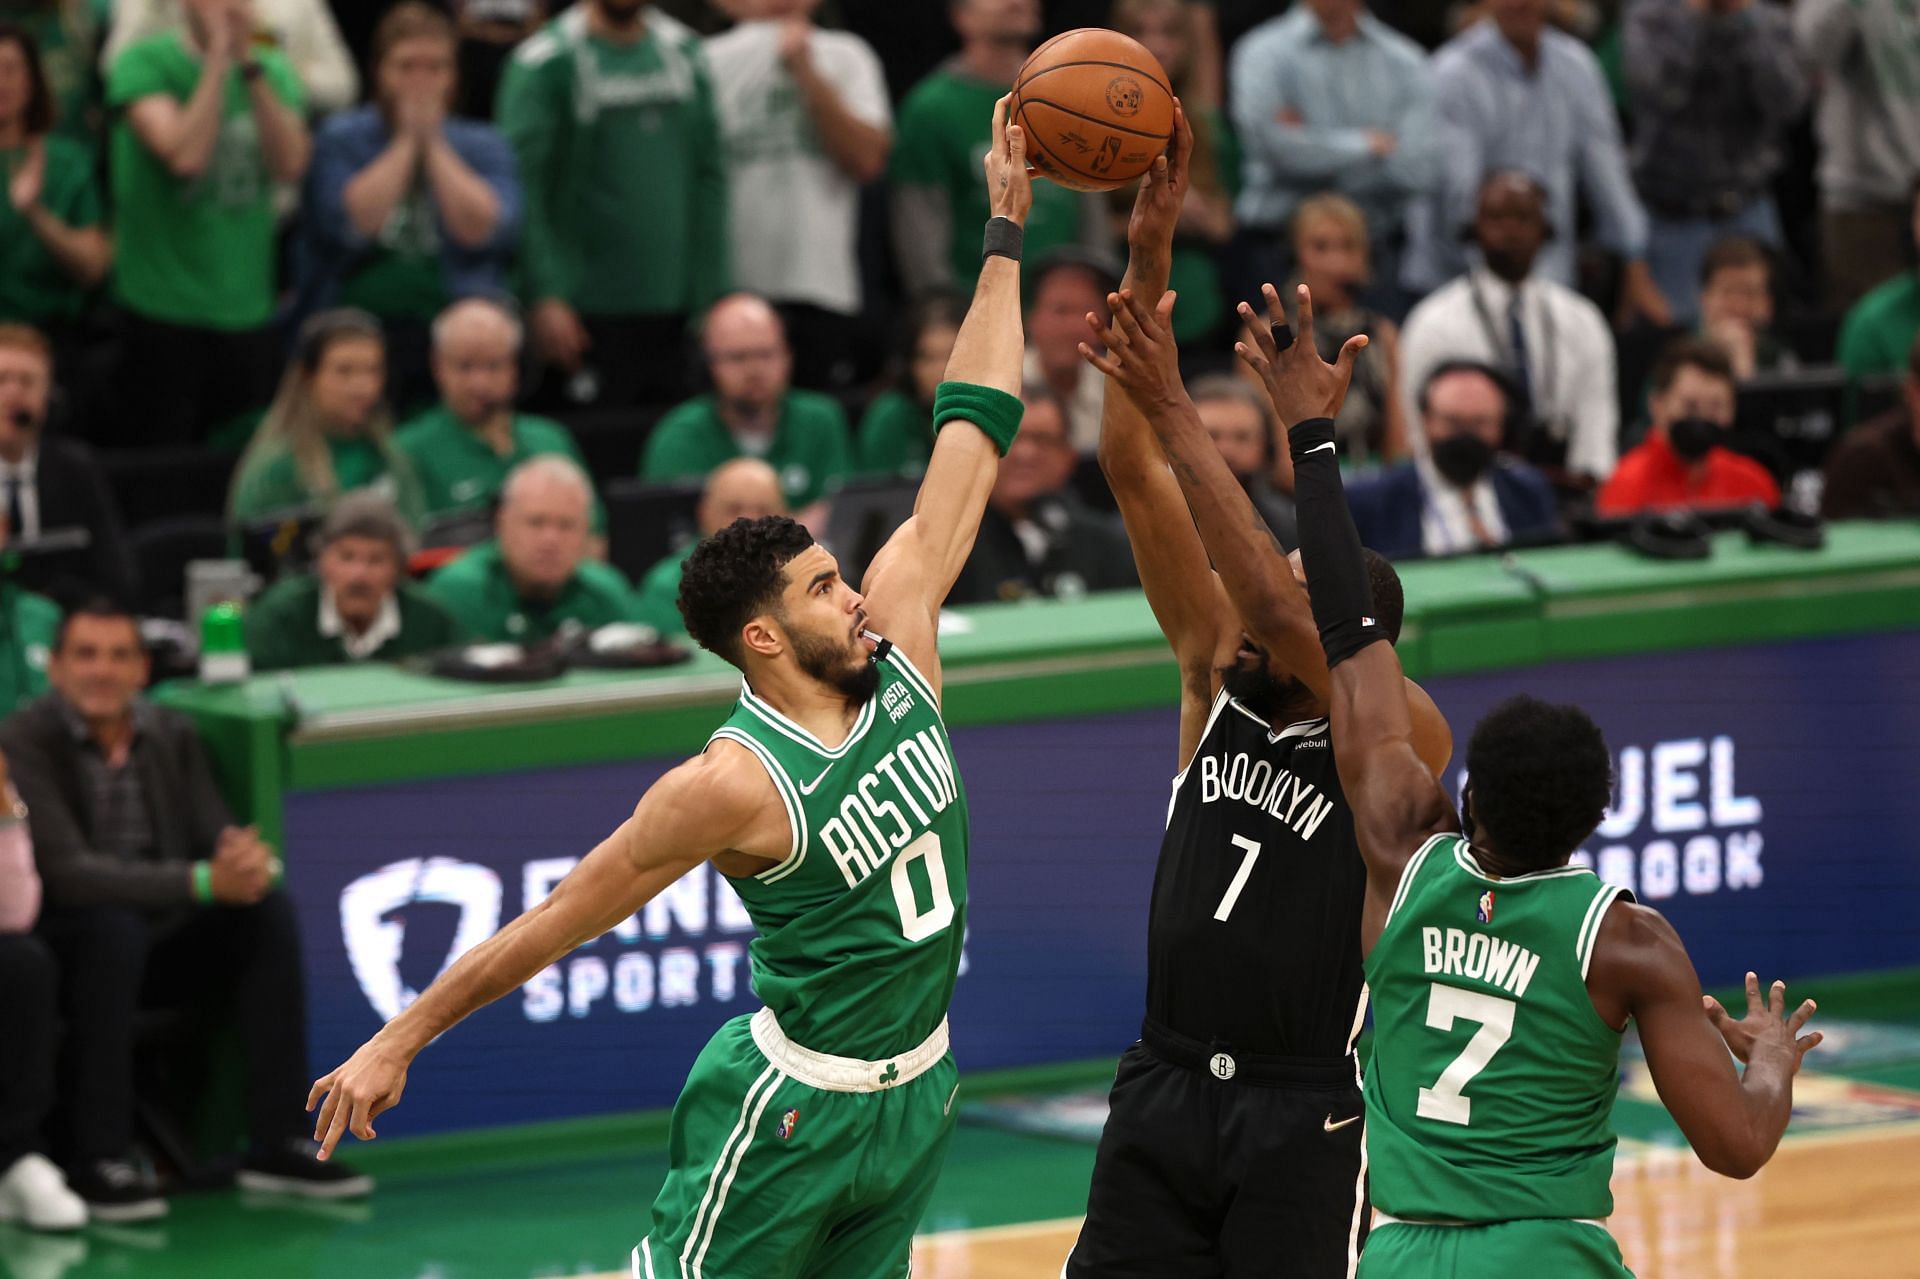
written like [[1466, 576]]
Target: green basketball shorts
[[790, 1164], [1528, 1249]]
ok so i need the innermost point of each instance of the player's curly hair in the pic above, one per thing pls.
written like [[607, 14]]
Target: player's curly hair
[[735, 575], [1540, 777], [1389, 597]]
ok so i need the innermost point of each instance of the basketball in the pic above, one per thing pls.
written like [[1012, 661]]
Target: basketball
[[1096, 107]]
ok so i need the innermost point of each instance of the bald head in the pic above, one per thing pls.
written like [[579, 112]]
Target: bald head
[[1510, 223], [476, 359], [747, 354], [743, 489], [545, 511]]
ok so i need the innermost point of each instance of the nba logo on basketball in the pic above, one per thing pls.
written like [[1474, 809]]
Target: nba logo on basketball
[[788, 1122], [1484, 911]]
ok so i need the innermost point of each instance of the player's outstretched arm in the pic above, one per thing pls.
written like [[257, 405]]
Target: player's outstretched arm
[[910, 577], [1734, 1121], [1397, 802], [1143, 360], [1181, 587], [701, 808]]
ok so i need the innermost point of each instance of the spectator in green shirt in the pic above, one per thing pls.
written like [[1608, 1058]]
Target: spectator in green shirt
[[355, 606], [612, 117], [938, 188], [53, 241], [328, 431], [464, 447], [896, 433], [207, 122], [754, 412], [743, 489], [535, 577], [1879, 330], [28, 624]]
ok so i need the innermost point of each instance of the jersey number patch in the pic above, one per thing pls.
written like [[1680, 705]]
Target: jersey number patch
[[1446, 1004], [917, 924], [1252, 850]]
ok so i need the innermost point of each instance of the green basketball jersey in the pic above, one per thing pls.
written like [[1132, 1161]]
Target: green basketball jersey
[[1490, 1092], [861, 925]]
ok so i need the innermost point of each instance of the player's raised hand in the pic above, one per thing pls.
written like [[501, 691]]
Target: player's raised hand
[[1766, 1029], [1301, 384], [1141, 354], [1009, 181], [1163, 192], [353, 1096]]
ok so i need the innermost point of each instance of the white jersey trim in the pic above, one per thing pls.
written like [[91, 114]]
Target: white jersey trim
[[796, 815], [1590, 926], [915, 679], [1466, 862], [1407, 873], [788, 729]]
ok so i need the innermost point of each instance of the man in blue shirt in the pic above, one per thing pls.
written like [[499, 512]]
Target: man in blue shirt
[[1513, 93], [1327, 97]]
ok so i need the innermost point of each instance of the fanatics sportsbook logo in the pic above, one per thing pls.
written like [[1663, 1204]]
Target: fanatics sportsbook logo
[[373, 921]]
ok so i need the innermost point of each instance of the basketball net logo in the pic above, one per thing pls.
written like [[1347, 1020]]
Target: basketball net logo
[[375, 933]]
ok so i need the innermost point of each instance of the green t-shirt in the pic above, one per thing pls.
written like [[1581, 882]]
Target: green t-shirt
[[194, 251], [269, 481], [283, 628], [946, 126], [459, 471], [478, 592], [896, 436], [657, 602], [620, 159], [34, 288], [1878, 333], [809, 449], [69, 35], [29, 640], [400, 276]]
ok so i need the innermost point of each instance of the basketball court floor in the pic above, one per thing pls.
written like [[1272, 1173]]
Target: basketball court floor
[[1841, 1198]]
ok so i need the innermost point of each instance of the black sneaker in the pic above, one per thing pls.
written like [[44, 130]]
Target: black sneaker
[[119, 1190], [294, 1168]]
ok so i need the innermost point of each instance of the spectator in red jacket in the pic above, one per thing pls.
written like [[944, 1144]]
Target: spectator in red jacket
[[1684, 461]]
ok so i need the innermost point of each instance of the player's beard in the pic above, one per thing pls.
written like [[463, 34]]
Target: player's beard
[[826, 661], [1261, 691]]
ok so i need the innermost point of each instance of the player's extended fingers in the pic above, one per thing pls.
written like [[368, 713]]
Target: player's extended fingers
[[1016, 148], [1807, 1043], [1801, 1016], [1716, 1012], [1000, 110], [1105, 363], [1145, 327], [1259, 333], [1777, 1000], [1754, 1003], [1303, 326], [321, 1087], [1276, 309], [1349, 352], [1124, 315], [360, 1122], [1163, 314], [333, 1124], [1253, 359], [1182, 140]]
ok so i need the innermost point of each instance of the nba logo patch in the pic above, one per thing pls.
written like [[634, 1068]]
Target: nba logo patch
[[788, 1122], [1483, 912]]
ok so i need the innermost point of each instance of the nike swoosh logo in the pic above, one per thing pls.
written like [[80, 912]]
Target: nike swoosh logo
[[1331, 1126], [956, 1093], [814, 785], [1316, 448]]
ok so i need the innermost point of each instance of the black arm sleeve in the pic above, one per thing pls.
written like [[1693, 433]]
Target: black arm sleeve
[[1330, 545]]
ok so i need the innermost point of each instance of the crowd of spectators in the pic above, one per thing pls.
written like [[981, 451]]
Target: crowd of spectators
[[462, 321]]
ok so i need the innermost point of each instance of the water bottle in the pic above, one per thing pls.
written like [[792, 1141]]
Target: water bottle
[[223, 646]]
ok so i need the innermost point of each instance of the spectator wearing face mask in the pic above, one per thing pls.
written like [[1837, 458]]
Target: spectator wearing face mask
[[1684, 463], [1463, 492]]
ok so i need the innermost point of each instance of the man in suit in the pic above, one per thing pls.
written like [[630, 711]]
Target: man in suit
[[49, 483], [152, 893], [1462, 492]]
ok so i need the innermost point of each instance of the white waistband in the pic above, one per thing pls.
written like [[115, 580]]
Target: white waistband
[[845, 1074], [1381, 1218]]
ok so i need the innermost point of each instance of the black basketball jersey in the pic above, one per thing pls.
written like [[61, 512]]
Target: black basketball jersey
[[1254, 938]]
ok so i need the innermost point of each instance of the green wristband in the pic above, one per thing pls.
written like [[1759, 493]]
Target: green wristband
[[994, 412], [203, 883]]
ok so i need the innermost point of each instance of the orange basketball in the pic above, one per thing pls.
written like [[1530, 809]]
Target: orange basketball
[[1096, 107]]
